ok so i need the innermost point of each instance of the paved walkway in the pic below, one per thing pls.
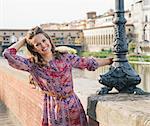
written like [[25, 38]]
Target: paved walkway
[[84, 87], [5, 119]]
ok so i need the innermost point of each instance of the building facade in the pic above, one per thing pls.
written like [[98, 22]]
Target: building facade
[[141, 21], [101, 35]]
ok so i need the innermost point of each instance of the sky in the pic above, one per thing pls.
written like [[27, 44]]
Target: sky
[[28, 13]]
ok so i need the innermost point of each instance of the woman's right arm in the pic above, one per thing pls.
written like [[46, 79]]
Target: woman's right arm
[[14, 60]]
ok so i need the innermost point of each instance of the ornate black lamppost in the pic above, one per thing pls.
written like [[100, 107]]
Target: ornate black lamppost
[[121, 75]]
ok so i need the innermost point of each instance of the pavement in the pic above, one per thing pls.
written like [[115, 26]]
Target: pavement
[[85, 87], [6, 117]]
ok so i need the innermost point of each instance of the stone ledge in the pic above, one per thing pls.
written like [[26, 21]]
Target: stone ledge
[[120, 109], [18, 95]]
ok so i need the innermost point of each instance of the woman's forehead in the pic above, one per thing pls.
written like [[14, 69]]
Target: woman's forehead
[[38, 38]]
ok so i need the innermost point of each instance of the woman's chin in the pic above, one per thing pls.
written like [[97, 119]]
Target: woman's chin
[[46, 52]]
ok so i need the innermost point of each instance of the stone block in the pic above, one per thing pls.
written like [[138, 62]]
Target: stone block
[[120, 109]]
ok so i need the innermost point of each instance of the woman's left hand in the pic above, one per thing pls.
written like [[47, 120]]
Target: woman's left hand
[[110, 60], [105, 61]]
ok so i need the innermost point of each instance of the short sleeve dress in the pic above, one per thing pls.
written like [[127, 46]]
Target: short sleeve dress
[[61, 106]]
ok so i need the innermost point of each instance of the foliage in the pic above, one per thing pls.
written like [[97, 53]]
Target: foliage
[[102, 54], [140, 58], [131, 46], [106, 53]]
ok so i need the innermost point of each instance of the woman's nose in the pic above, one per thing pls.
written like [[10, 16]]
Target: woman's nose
[[43, 44]]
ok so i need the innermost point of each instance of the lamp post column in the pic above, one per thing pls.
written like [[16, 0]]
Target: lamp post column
[[121, 75]]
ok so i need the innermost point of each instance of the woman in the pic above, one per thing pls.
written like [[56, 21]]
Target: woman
[[51, 70]]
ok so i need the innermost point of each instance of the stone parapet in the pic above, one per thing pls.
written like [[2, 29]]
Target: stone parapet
[[120, 109], [19, 97]]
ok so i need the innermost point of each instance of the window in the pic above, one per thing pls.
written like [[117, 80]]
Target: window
[[146, 2], [129, 29], [146, 18], [129, 15], [54, 34]]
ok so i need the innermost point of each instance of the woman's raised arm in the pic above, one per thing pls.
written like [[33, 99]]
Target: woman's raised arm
[[15, 60]]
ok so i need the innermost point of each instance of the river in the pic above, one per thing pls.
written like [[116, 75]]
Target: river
[[143, 69]]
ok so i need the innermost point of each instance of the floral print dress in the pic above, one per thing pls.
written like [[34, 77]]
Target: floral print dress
[[56, 78]]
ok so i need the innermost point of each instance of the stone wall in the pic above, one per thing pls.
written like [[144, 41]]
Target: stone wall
[[22, 100]]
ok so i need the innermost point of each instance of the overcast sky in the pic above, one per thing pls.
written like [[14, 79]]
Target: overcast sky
[[28, 13]]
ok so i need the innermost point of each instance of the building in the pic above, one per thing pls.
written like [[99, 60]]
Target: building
[[141, 21], [100, 35]]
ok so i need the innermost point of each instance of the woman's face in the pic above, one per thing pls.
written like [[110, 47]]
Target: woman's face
[[41, 44]]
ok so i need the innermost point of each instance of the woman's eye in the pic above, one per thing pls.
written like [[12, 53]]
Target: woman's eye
[[43, 40], [38, 44]]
